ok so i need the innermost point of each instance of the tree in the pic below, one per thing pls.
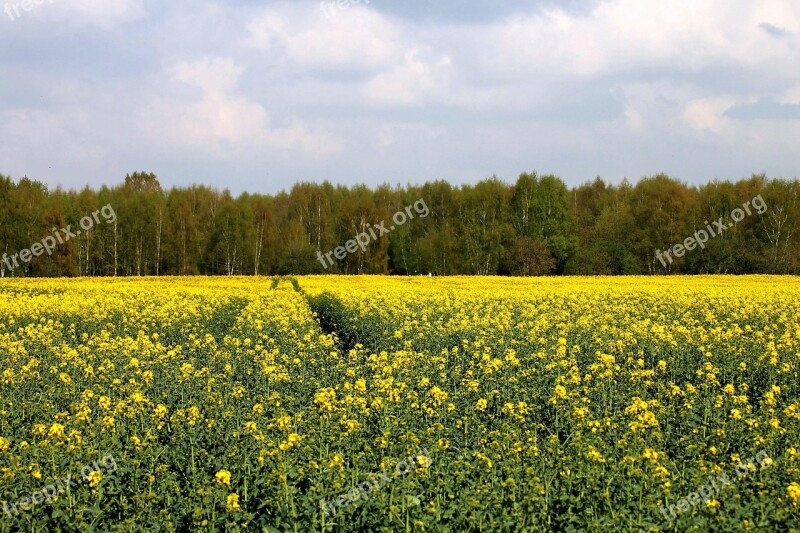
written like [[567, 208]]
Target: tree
[[536, 226], [529, 257], [485, 228]]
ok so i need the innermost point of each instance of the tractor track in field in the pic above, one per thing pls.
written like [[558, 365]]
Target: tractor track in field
[[330, 315]]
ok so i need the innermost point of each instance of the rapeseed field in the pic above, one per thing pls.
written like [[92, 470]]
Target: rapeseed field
[[400, 404]]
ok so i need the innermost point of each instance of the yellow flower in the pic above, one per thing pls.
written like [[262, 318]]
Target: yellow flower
[[481, 404], [351, 425], [486, 461], [337, 461], [651, 455], [4, 444], [94, 478], [595, 456], [232, 503], [56, 431], [423, 461], [108, 423], [291, 441], [223, 477], [580, 412], [187, 370], [712, 504], [284, 422], [326, 399], [438, 395], [794, 492]]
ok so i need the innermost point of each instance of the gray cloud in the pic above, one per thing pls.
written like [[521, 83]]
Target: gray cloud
[[773, 30], [765, 109]]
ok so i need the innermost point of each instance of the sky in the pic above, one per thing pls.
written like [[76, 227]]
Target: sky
[[255, 96]]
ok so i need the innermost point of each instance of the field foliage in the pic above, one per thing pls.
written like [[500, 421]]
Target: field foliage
[[542, 404]]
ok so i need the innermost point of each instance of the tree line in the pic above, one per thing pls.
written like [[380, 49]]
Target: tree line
[[536, 226]]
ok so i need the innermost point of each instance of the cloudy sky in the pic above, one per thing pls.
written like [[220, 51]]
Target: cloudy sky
[[255, 95]]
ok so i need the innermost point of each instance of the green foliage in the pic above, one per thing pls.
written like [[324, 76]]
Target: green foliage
[[489, 228]]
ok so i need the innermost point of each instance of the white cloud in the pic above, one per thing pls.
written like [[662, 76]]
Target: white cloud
[[105, 14], [214, 75], [413, 82], [707, 114], [634, 119], [358, 38], [391, 134], [224, 122], [630, 34], [791, 96], [518, 61]]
